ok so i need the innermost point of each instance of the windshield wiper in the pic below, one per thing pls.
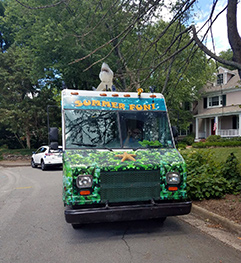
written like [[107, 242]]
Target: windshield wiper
[[106, 148], [86, 145]]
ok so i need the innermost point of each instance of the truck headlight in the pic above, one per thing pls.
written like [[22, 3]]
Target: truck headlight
[[84, 181], [173, 178]]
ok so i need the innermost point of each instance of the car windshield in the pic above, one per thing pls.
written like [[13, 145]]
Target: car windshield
[[117, 129]]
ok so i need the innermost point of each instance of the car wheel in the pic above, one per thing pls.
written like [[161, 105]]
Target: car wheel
[[43, 166], [33, 164]]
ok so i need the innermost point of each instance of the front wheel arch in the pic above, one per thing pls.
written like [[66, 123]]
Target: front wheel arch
[[33, 164]]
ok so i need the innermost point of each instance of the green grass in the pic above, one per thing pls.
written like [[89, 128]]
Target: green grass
[[219, 154]]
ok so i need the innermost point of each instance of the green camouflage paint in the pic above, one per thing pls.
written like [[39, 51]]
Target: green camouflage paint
[[77, 162]]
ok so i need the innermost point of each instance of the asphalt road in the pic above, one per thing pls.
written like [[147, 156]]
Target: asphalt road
[[33, 229]]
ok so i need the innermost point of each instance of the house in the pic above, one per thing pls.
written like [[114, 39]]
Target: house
[[218, 112]]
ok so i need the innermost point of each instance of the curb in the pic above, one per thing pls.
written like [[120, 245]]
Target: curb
[[205, 214], [14, 164]]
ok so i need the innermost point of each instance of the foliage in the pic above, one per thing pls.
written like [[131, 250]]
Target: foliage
[[227, 55], [229, 171], [229, 143], [207, 178], [207, 187], [18, 152], [24, 101], [219, 154], [181, 146], [150, 143], [188, 140], [213, 138], [43, 48]]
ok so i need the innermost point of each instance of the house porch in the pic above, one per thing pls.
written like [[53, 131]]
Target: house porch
[[226, 126]]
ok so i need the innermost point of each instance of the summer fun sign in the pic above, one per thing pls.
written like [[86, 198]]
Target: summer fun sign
[[131, 104]]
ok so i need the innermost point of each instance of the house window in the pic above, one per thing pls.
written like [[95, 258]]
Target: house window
[[220, 79], [215, 101]]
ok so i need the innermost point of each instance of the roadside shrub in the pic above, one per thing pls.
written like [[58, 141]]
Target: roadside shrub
[[207, 186], [204, 179], [229, 143], [230, 172], [181, 146], [213, 138], [189, 140]]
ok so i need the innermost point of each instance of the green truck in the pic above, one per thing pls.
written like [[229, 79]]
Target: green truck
[[119, 158]]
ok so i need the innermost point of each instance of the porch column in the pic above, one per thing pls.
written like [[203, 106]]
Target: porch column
[[205, 128], [216, 125], [196, 130], [239, 123]]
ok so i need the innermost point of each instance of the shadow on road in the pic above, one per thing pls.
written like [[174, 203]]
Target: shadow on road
[[103, 231]]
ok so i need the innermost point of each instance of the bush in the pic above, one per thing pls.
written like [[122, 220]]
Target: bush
[[227, 143], [213, 138], [189, 140], [181, 146], [231, 173], [208, 179], [207, 186]]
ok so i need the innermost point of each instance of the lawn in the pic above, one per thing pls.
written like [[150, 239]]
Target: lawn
[[219, 154]]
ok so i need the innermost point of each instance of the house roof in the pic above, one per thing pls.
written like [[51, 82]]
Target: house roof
[[233, 82], [220, 111]]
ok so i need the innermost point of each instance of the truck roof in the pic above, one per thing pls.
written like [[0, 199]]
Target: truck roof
[[70, 92], [106, 100]]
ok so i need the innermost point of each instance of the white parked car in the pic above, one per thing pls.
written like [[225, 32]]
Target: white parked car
[[47, 157]]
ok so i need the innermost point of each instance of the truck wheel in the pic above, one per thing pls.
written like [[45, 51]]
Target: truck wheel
[[162, 219], [43, 166], [76, 226], [159, 220], [33, 164]]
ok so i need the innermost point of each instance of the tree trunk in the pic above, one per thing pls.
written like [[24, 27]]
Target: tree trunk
[[28, 139], [233, 38], [233, 35]]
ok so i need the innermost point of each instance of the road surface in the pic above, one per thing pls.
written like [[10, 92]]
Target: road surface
[[33, 229]]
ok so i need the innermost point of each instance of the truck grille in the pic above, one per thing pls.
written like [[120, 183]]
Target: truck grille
[[127, 186]]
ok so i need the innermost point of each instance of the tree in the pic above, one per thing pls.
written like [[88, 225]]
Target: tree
[[68, 40], [23, 101], [142, 11], [141, 49]]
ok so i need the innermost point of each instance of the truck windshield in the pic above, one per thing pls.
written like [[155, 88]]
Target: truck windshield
[[116, 129]]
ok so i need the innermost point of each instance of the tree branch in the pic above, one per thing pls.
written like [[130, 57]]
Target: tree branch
[[166, 59], [40, 7], [233, 35], [211, 54]]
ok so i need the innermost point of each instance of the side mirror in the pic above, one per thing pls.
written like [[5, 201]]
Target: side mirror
[[174, 131], [53, 145], [53, 138], [53, 134], [175, 134]]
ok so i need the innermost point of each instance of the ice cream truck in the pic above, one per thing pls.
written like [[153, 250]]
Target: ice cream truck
[[120, 162]]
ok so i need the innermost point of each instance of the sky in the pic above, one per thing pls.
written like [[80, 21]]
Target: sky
[[203, 8]]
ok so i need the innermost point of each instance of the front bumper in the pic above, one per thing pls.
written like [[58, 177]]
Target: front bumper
[[126, 212]]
